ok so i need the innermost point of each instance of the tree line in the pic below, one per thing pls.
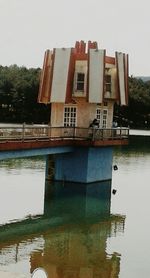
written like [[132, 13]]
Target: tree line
[[19, 90], [18, 96], [137, 113]]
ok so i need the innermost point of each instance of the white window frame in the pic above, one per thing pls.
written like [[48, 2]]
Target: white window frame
[[102, 117], [70, 116], [99, 115]]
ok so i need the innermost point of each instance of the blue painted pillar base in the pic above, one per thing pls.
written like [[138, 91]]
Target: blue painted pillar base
[[84, 165]]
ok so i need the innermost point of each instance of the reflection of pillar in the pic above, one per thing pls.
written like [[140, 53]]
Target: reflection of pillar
[[16, 256], [84, 165], [49, 167], [49, 174], [75, 201], [98, 199]]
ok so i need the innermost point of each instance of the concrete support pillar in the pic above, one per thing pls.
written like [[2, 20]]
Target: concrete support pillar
[[84, 165]]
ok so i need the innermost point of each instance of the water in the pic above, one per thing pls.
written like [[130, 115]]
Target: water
[[84, 231], [140, 132], [21, 182]]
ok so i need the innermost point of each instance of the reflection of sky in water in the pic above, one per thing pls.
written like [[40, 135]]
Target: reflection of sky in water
[[15, 256], [75, 245], [81, 238], [21, 188], [132, 199]]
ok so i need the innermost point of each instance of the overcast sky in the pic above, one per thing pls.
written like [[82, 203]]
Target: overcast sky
[[29, 27]]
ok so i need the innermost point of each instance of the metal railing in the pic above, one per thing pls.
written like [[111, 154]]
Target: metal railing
[[39, 132]]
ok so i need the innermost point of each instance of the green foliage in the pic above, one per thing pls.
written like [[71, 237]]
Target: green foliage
[[18, 96], [137, 113], [19, 90]]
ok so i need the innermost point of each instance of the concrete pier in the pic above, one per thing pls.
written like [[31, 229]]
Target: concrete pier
[[85, 165]]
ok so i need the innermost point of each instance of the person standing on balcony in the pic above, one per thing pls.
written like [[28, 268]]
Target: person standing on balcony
[[95, 123], [115, 124]]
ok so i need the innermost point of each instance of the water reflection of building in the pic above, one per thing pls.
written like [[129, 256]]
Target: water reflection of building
[[76, 248], [78, 252], [78, 201]]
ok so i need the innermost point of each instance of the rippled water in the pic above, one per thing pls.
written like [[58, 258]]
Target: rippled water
[[84, 231]]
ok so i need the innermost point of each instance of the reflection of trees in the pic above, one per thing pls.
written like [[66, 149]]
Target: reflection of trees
[[23, 163], [139, 146], [18, 96]]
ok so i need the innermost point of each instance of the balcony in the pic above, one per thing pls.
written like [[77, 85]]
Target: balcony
[[33, 136]]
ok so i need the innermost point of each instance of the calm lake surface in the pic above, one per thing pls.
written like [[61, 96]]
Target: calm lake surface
[[83, 231]]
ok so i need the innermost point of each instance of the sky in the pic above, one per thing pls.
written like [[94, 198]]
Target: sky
[[29, 27]]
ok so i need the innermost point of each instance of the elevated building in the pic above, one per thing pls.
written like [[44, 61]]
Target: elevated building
[[82, 84]]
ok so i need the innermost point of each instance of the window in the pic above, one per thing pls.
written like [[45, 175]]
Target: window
[[104, 124], [98, 115], [101, 116], [108, 83], [80, 82], [69, 116]]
